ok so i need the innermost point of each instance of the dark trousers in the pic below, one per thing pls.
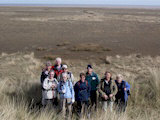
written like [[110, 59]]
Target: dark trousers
[[93, 97], [83, 108], [121, 105], [48, 102]]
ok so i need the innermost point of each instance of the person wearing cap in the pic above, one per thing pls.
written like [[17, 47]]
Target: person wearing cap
[[107, 89], [93, 81], [70, 75], [67, 98], [57, 67], [50, 89], [82, 94], [122, 94]]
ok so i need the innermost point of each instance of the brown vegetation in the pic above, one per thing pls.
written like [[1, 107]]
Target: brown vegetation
[[20, 91]]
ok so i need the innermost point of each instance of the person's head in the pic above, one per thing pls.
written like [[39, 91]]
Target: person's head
[[82, 77], [89, 69], [65, 68], [58, 61], [108, 75], [64, 76], [51, 74], [119, 78], [48, 65]]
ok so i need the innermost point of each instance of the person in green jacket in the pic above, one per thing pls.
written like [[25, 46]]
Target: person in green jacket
[[107, 89], [93, 80]]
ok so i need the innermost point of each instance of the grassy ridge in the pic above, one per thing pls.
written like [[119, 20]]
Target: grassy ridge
[[20, 91]]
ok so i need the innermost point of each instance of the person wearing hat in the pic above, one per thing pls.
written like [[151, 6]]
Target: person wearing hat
[[70, 75], [93, 80]]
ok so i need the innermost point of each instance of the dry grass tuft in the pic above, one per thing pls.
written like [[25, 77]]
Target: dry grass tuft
[[20, 91]]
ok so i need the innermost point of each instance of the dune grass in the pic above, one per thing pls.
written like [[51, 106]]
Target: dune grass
[[20, 91]]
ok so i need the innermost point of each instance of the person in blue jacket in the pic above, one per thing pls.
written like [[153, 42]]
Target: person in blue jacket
[[82, 94], [122, 94], [67, 95], [93, 81]]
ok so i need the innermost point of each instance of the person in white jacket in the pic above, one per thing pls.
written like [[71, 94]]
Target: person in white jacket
[[50, 85]]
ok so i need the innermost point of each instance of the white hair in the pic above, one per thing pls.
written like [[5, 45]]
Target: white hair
[[64, 74], [64, 67], [59, 59], [120, 76]]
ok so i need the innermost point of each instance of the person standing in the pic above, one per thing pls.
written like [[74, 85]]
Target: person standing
[[70, 75], [107, 90], [67, 98], [57, 67], [93, 81], [50, 89], [45, 71], [82, 94], [122, 94], [44, 75]]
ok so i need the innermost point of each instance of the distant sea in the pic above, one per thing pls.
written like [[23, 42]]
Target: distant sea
[[84, 5]]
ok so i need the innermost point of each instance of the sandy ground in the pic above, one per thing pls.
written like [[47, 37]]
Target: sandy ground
[[79, 33]]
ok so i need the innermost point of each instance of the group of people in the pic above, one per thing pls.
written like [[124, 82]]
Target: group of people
[[59, 86]]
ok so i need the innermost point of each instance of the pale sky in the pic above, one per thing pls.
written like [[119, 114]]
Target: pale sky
[[103, 2]]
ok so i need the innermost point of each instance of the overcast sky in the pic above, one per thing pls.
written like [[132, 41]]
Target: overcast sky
[[110, 2]]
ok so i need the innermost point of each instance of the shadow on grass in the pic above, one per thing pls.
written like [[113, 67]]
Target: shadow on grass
[[30, 94]]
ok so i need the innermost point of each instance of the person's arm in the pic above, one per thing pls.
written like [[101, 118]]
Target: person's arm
[[100, 90], [56, 84], [89, 89], [46, 86], [127, 86], [72, 91], [72, 79], [115, 88], [97, 79], [76, 88], [42, 77], [59, 88]]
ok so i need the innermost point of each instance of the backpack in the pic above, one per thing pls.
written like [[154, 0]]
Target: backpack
[[70, 74], [69, 84], [80, 83]]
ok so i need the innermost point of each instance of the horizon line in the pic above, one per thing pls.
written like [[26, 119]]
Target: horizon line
[[79, 5]]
